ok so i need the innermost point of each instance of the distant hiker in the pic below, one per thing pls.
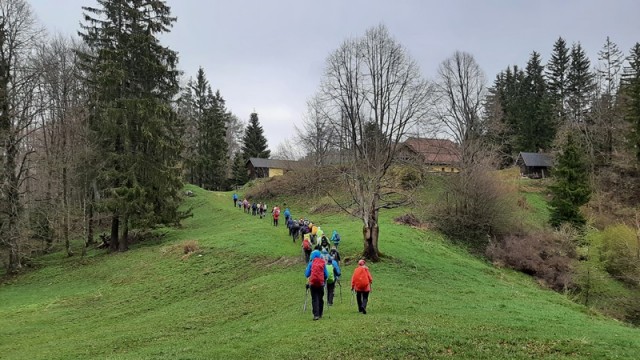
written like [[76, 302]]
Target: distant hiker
[[306, 247], [361, 284], [276, 214], [245, 204], [320, 233], [334, 254], [287, 214], [317, 274], [254, 209], [335, 238], [324, 244], [239, 203], [235, 199], [334, 275], [295, 230], [262, 209], [289, 223]]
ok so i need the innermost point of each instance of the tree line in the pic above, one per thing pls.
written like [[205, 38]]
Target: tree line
[[97, 131]]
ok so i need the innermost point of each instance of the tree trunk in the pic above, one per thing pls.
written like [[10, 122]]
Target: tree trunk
[[124, 241], [370, 233], [12, 197], [115, 229], [65, 203]]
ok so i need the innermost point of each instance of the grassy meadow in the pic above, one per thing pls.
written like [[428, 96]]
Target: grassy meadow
[[240, 296]]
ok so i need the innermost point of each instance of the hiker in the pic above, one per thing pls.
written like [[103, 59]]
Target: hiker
[[334, 276], [317, 274], [287, 215], [276, 214], [295, 230], [235, 199], [335, 238], [324, 244], [320, 233], [289, 223], [261, 210], [254, 209], [361, 284], [306, 247], [239, 203], [245, 204], [334, 254]]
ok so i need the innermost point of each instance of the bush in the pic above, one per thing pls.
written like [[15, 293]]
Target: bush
[[618, 248], [545, 255], [475, 207]]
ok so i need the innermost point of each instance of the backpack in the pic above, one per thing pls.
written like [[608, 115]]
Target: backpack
[[317, 273], [306, 245], [277, 212], [332, 277]]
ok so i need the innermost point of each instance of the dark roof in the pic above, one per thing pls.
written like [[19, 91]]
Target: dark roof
[[435, 151], [272, 163], [536, 159]]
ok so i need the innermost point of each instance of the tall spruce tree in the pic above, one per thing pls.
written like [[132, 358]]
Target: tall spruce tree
[[132, 78], [580, 84], [556, 73], [239, 170], [631, 97], [537, 129], [254, 144], [206, 143], [570, 189]]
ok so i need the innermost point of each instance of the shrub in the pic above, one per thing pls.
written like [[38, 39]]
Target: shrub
[[619, 253], [545, 255], [474, 207]]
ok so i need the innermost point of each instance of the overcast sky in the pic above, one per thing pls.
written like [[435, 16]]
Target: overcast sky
[[269, 55]]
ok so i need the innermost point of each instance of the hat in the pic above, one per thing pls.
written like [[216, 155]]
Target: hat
[[361, 262]]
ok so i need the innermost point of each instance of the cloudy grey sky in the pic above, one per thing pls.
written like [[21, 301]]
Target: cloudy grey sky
[[269, 55]]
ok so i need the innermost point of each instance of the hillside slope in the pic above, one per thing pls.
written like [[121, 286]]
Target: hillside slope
[[241, 296]]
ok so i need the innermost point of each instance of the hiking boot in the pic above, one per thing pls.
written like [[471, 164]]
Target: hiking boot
[[316, 318], [364, 312]]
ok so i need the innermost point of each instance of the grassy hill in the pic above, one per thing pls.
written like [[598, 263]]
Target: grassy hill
[[241, 296]]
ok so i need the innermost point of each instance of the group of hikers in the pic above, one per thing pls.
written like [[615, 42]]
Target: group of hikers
[[321, 256]]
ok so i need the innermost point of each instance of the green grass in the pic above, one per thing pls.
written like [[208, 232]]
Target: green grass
[[241, 297]]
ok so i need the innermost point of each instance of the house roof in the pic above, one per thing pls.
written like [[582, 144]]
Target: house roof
[[435, 151], [536, 159], [272, 163]]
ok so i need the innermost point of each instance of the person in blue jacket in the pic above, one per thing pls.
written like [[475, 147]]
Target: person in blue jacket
[[235, 199], [317, 275], [335, 238], [287, 215]]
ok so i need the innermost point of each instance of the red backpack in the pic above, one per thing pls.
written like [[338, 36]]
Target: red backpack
[[306, 244], [317, 273]]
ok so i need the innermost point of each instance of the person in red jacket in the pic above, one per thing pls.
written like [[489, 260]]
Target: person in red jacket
[[361, 284]]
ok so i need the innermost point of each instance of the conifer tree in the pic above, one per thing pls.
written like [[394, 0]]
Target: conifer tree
[[136, 133], [557, 72], [631, 90], [570, 189], [254, 144], [537, 129], [580, 84], [206, 166], [240, 176]]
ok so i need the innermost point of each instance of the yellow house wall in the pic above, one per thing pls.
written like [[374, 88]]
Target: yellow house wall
[[443, 168], [275, 172]]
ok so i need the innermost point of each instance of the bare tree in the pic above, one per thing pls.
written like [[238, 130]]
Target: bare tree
[[287, 150], [372, 92], [18, 81], [317, 135], [60, 93], [460, 91]]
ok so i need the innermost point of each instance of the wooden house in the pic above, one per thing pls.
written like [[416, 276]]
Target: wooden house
[[534, 165]]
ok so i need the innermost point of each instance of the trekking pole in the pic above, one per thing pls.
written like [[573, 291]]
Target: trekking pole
[[352, 295], [325, 308], [340, 285], [306, 293]]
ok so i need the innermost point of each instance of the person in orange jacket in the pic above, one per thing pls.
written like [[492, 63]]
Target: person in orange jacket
[[361, 284]]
